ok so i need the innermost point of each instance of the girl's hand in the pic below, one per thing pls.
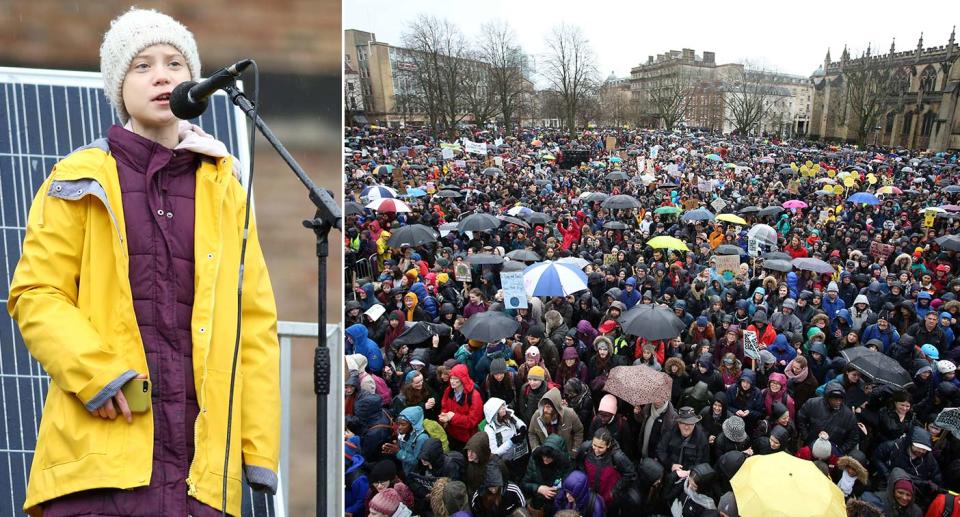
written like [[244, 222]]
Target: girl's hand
[[108, 410]]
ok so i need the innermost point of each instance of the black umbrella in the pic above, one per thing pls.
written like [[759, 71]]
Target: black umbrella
[[352, 208], [770, 210], [524, 255], [728, 249], [777, 255], [492, 171], [614, 225], [481, 259], [513, 265], [537, 218], [418, 332], [878, 367], [951, 189], [651, 322], [478, 223], [595, 196], [616, 176], [813, 264], [949, 242], [448, 193], [513, 220], [489, 326], [413, 235], [621, 201], [778, 265], [749, 210]]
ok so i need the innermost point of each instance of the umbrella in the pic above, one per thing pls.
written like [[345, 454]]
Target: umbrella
[[548, 157], [949, 242], [697, 214], [578, 262], [492, 171], [813, 264], [446, 228], [524, 255], [513, 266], [448, 193], [383, 169], [620, 201], [878, 367], [387, 204], [415, 192], [667, 210], [420, 332], [537, 218], [782, 484], [888, 189], [489, 326], [615, 225], [783, 266], [552, 279], [638, 385], [412, 234], [714, 157], [595, 196], [951, 208], [519, 210], [513, 220], [763, 233], [728, 249], [767, 159], [865, 198], [777, 255], [730, 218], [770, 210], [794, 203], [652, 322], [484, 259], [616, 176], [749, 210], [352, 208], [663, 241], [478, 223], [377, 192], [615, 159], [951, 189]]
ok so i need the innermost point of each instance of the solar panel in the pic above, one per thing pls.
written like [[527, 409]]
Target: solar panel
[[45, 114]]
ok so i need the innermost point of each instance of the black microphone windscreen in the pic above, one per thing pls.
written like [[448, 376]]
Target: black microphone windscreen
[[182, 106]]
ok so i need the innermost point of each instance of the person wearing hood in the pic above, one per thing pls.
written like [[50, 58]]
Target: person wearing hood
[[630, 296], [777, 391], [586, 310], [817, 359], [570, 367], [356, 483], [848, 289], [851, 475], [757, 299], [412, 309], [395, 327], [745, 399], [478, 456], [782, 351], [829, 414], [549, 465], [704, 371], [575, 494], [433, 465], [553, 417], [861, 314], [506, 434], [611, 473], [368, 419], [729, 343], [410, 438], [555, 330], [922, 306], [496, 497], [461, 407], [785, 321], [714, 415], [357, 340], [899, 499]]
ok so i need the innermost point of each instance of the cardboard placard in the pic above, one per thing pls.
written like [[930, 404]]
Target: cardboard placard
[[474, 147], [929, 217], [753, 247], [718, 205], [880, 251], [726, 263], [609, 258], [610, 143], [461, 272], [793, 187], [514, 297], [446, 154]]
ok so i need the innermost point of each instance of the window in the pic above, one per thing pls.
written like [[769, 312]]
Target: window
[[907, 122], [890, 118], [926, 127], [928, 80]]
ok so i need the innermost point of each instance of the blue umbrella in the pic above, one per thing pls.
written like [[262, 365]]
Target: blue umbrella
[[553, 279], [699, 214], [714, 157], [378, 192], [865, 198], [416, 192]]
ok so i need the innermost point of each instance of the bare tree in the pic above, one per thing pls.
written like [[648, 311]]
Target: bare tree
[[868, 88], [668, 98], [749, 99], [498, 48], [614, 105], [438, 52], [479, 95], [570, 69]]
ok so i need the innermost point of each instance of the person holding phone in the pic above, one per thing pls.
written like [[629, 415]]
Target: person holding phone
[[129, 273]]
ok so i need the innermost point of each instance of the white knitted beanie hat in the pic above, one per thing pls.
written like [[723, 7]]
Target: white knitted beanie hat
[[132, 32]]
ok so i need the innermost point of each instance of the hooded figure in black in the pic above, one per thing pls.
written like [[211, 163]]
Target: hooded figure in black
[[496, 497], [477, 453], [714, 415], [433, 465], [829, 413], [912, 453]]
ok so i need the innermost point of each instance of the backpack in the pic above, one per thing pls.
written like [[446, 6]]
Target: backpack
[[435, 430]]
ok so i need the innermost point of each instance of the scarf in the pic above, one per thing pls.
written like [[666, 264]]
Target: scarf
[[846, 483], [648, 425], [194, 138], [797, 377]]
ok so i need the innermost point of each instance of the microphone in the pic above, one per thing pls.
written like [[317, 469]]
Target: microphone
[[189, 99]]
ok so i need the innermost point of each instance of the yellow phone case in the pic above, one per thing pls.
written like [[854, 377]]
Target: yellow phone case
[[137, 392]]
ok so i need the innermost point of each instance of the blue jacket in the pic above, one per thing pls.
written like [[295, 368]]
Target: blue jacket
[[888, 338], [922, 310], [632, 297], [362, 344], [781, 349], [429, 303], [409, 452], [832, 307], [792, 283], [357, 485]]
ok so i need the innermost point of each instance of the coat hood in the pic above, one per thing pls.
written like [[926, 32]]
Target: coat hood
[[479, 443], [576, 485], [419, 289], [492, 406], [414, 415], [553, 397], [432, 451], [460, 371], [358, 332]]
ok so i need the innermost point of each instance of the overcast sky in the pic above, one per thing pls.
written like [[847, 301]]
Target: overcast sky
[[790, 37]]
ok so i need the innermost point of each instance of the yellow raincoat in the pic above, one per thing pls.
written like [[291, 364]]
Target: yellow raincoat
[[71, 297]]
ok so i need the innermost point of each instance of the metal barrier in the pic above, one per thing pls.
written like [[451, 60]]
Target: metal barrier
[[286, 331]]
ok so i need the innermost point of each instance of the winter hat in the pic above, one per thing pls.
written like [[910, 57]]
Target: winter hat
[[702, 321], [767, 357], [383, 470], [569, 353], [129, 34], [609, 404], [777, 410], [821, 448], [385, 502], [498, 365], [536, 373], [833, 288], [728, 505], [533, 352], [735, 429], [903, 484], [607, 326]]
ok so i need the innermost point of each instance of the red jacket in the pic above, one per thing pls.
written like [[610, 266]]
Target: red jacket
[[468, 412]]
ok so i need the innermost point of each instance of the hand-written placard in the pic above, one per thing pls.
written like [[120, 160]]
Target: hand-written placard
[[727, 263], [461, 272], [880, 251], [751, 346], [514, 297]]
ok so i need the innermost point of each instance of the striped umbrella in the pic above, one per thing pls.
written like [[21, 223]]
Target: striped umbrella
[[553, 279], [388, 205], [378, 192]]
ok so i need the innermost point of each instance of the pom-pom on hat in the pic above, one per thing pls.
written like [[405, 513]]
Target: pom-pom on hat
[[128, 35]]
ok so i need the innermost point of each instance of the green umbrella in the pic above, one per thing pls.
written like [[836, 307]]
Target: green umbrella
[[667, 210]]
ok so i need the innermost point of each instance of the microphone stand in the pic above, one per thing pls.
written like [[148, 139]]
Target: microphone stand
[[327, 217]]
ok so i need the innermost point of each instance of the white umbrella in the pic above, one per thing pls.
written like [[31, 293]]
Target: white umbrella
[[577, 262], [763, 233], [388, 205], [553, 279]]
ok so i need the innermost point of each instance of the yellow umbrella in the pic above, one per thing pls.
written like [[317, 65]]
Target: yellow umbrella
[[779, 484], [731, 218], [670, 243]]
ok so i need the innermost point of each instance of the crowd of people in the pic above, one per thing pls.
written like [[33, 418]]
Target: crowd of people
[[830, 337]]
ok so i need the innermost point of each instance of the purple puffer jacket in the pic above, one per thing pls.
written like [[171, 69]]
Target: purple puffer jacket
[[158, 187]]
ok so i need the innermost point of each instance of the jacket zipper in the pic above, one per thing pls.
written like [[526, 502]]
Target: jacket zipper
[[191, 484]]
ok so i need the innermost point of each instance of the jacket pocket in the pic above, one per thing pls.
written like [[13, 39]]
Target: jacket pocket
[[68, 432], [216, 398]]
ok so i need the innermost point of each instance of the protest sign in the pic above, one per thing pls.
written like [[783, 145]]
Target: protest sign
[[610, 143], [727, 263], [880, 251], [447, 154], [751, 346], [718, 205], [609, 258], [474, 147], [929, 217], [461, 272], [753, 247], [514, 296]]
